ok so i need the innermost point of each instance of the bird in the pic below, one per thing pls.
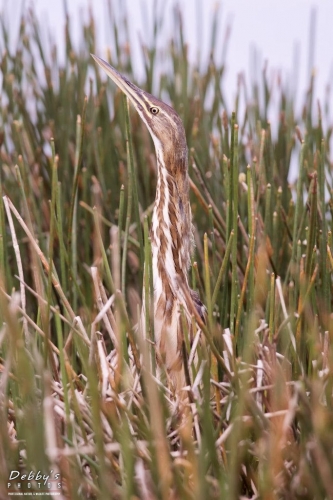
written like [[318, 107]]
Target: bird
[[171, 232]]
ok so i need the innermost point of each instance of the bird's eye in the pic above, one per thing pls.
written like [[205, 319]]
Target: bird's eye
[[154, 110]]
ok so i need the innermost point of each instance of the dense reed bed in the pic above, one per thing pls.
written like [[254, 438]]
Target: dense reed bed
[[78, 392]]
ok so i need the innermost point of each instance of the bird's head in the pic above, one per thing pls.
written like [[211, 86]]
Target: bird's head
[[163, 123]]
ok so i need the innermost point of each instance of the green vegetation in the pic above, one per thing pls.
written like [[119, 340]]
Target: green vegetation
[[77, 187]]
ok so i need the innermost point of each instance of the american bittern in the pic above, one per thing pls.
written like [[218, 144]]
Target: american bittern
[[171, 232]]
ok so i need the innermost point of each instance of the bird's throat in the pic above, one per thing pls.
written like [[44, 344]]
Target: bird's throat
[[171, 228]]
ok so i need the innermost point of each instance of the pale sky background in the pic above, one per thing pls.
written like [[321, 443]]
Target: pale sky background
[[278, 29]]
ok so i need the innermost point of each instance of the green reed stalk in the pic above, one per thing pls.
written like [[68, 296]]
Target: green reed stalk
[[72, 223], [130, 159], [106, 265], [207, 284], [130, 193], [63, 252], [249, 271], [54, 185], [234, 279], [149, 295], [223, 268], [121, 214]]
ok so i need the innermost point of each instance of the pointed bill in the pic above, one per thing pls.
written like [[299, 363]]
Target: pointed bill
[[133, 92]]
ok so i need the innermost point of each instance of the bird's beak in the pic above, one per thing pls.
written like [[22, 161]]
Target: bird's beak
[[133, 92]]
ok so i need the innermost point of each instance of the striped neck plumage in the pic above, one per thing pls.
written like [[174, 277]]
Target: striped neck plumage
[[171, 223]]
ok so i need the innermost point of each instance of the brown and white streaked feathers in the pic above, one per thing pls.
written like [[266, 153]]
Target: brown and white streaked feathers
[[171, 232]]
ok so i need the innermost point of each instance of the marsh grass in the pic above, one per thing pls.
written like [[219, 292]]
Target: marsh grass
[[78, 179]]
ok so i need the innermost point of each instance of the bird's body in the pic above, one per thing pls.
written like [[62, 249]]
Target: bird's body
[[171, 231]]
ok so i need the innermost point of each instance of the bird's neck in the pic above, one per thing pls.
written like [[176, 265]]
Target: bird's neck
[[171, 233]]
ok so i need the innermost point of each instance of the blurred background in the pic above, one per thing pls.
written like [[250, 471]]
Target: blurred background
[[295, 37]]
